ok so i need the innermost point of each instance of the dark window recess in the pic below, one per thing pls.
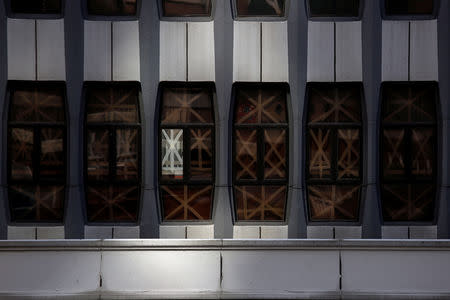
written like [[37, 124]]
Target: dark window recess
[[112, 7], [260, 8], [260, 151], [187, 8], [409, 7], [36, 151], [408, 151], [186, 151], [334, 151], [36, 6], [113, 152], [334, 8]]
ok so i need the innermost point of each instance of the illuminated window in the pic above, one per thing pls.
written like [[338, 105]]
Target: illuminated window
[[112, 151], [186, 8], [36, 7], [334, 151], [334, 8], [408, 151], [260, 8], [36, 151], [186, 150], [112, 7], [260, 151], [409, 7]]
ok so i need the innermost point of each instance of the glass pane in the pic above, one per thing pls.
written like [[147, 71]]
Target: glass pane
[[334, 103], [98, 154], [112, 7], [333, 202], [260, 7], [201, 153], [246, 156], [182, 202], [409, 7], [52, 153], [36, 6], [37, 103], [36, 203], [186, 8], [261, 105], [409, 103], [349, 153], [113, 203], [20, 147], [128, 143], [393, 153], [422, 152], [334, 8], [112, 103], [260, 203], [320, 150], [172, 153], [275, 153], [408, 202], [186, 105]]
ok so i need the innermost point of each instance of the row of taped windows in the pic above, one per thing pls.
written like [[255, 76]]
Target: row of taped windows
[[333, 157], [242, 8]]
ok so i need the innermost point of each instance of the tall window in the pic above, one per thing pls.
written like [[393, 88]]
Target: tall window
[[408, 151], [112, 151], [186, 8], [36, 151], [260, 151], [186, 150], [333, 151]]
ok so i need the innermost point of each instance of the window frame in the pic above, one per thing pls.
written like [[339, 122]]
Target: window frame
[[13, 15], [236, 17], [91, 17], [186, 155], [112, 128], [437, 143], [260, 181], [310, 17], [186, 18], [362, 181], [65, 126], [410, 17]]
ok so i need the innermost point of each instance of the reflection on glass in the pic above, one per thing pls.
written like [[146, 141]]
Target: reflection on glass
[[260, 7], [127, 153], [20, 148], [52, 153], [172, 153], [334, 8], [36, 6], [112, 7], [186, 8], [320, 140], [187, 202], [201, 153], [409, 7], [260, 202], [98, 154], [274, 154], [246, 153], [349, 153]]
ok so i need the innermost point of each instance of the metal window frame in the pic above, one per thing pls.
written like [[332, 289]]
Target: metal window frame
[[209, 18], [409, 17], [437, 171], [91, 17], [14, 84], [11, 14], [112, 126], [335, 18], [236, 17]]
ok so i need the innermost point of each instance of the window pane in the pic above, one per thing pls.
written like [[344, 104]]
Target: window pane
[[275, 154], [36, 6], [127, 154], [37, 103], [265, 202], [246, 154], [182, 202], [334, 103], [112, 103], [172, 159], [112, 7], [334, 8], [21, 146], [201, 153], [319, 143], [393, 152], [409, 7], [98, 143], [260, 7], [186, 105], [261, 105], [113, 203], [36, 203], [333, 202], [349, 153], [186, 8], [52, 153], [408, 202], [422, 151]]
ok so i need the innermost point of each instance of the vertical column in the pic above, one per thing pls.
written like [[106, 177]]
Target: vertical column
[[223, 37], [74, 224], [3, 80], [149, 47], [371, 41]]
